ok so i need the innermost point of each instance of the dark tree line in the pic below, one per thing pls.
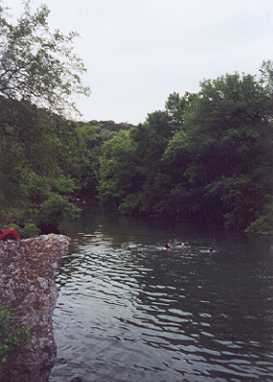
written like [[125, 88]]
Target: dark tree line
[[207, 156]]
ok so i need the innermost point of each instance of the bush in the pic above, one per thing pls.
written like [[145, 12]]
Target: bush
[[26, 231], [30, 230], [56, 209], [11, 334], [263, 225], [15, 226], [131, 204]]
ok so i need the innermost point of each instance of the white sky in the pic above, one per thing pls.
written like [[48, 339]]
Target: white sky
[[139, 51]]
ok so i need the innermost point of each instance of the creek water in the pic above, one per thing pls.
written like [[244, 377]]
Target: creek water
[[131, 310]]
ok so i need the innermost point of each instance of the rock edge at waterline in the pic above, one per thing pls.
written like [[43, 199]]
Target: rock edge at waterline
[[28, 290]]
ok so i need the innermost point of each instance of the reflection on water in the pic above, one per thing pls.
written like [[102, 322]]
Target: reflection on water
[[130, 310]]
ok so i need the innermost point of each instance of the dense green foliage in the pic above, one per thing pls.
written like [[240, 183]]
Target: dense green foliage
[[38, 75], [207, 156], [11, 334], [48, 165]]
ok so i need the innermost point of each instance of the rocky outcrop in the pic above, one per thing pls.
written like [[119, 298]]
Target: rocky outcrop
[[28, 289]]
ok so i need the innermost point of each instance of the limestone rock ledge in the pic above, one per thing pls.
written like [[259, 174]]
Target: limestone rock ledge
[[28, 289]]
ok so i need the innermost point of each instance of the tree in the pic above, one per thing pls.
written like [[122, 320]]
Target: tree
[[225, 151], [209, 156], [38, 65], [39, 74], [176, 106], [117, 168]]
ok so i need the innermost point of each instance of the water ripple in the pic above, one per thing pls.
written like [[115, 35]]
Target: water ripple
[[132, 311]]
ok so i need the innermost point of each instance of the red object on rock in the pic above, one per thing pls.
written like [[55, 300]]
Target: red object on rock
[[9, 233]]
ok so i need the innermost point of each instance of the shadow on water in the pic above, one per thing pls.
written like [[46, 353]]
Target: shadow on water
[[132, 310]]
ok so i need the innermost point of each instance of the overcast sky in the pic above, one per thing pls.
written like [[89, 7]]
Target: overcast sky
[[139, 51]]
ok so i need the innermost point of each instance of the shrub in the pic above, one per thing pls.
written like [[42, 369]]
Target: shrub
[[11, 334], [263, 225], [56, 209], [30, 230]]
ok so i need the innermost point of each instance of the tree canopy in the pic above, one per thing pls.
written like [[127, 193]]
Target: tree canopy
[[38, 65], [39, 74], [207, 156]]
